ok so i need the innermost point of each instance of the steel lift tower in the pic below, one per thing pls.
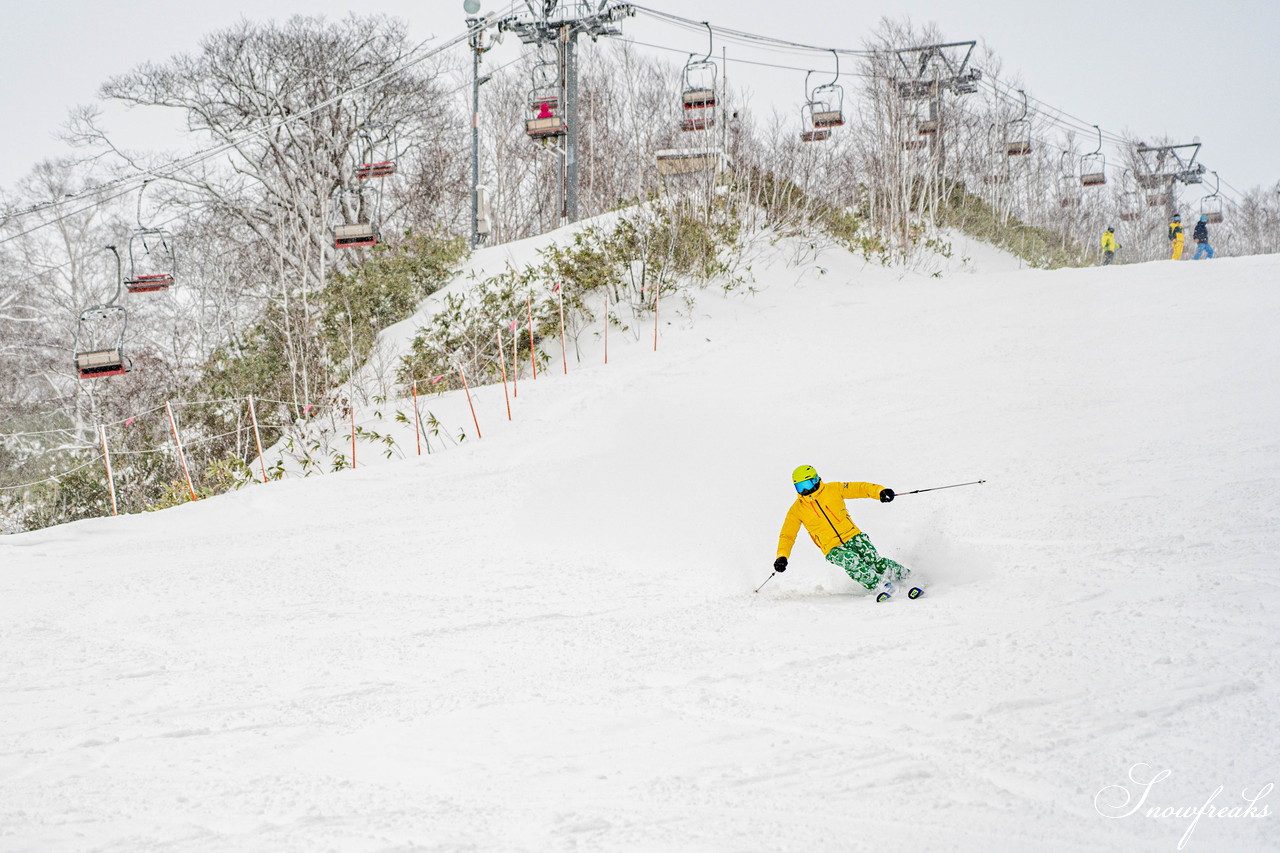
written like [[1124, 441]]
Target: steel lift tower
[[1163, 166], [559, 23]]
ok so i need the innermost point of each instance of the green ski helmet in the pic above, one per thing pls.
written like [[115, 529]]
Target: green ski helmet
[[806, 479]]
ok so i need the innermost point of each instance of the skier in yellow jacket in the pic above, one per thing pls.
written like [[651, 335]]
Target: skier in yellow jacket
[[820, 508], [1176, 237], [1109, 246]]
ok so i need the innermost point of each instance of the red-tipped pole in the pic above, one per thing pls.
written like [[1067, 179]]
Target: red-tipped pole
[[473, 408], [417, 430], [532, 359], [563, 354], [657, 294], [257, 438], [111, 480], [502, 362], [182, 457]]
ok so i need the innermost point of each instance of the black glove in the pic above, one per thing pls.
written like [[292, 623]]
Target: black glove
[[886, 495], [780, 564]]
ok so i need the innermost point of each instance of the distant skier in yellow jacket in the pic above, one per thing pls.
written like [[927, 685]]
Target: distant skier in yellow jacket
[[1109, 246], [820, 508], [1177, 236]]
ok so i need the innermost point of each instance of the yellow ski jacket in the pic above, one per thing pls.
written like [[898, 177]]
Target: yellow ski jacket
[[1108, 241], [1175, 231], [824, 516]]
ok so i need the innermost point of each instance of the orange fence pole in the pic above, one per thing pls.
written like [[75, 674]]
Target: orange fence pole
[[528, 301], [502, 362], [111, 482], [253, 416], [473, 408], [515, 360], [182, 457], [417, 431], [563, 355]]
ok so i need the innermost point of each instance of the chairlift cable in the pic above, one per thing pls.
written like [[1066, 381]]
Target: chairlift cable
[[198, 157]]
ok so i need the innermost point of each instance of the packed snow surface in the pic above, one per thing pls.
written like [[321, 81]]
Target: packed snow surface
[[546, 639]]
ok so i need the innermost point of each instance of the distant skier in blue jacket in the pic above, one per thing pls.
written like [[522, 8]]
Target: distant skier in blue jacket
[[1201, 236]]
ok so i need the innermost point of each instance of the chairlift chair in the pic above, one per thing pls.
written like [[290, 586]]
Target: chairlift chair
[[1018, 133], [823, 108], [353, 235], [810, 131], [698, 82], [99, 343], [1130, 197], [1211, 210], [1069, 191], [547, 121], [698, 94], [99, 347], [151, 261], [1093, 167], [1211, 205], [151, 255], [377, 159], [687, 161]]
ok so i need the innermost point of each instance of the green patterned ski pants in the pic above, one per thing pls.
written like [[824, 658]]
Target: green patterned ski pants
[[859, 558]]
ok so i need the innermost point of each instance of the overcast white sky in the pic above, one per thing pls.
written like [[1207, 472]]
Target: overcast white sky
[[1151, 68]]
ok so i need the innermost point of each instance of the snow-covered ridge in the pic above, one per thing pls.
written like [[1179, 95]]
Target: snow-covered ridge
[[545, 639]]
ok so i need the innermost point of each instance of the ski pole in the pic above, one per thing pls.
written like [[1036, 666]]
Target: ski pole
[[935, 488], [766, 580]]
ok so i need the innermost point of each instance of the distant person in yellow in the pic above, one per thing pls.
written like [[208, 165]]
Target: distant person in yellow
[[1109, 245], [1176, 236], [820, 508]]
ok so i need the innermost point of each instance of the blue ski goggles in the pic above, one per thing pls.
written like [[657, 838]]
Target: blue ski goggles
[[809, 486]]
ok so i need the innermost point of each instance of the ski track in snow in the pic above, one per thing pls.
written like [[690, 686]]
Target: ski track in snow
[[546, 640]]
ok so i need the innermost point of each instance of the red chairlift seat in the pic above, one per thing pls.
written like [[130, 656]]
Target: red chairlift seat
[[816, 135], [1017, 147], [354, 235], [928, 127], [1093, 179], [375, 170], [96, 364], [150, 283]]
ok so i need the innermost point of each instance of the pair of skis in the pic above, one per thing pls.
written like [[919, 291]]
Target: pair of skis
[[888, 590]]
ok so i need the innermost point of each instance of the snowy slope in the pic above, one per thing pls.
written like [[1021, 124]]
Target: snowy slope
[[546, 639]]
